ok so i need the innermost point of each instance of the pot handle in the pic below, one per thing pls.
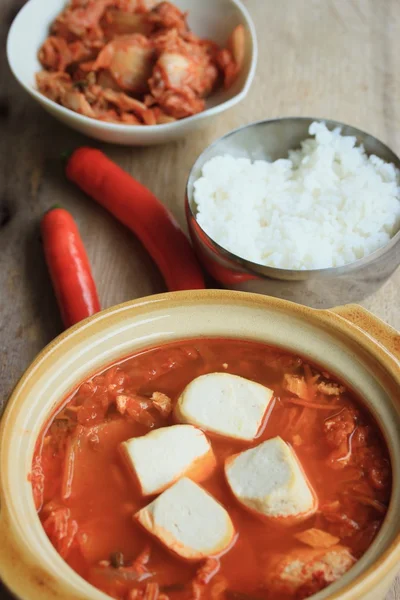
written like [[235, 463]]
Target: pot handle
[[385, 335]]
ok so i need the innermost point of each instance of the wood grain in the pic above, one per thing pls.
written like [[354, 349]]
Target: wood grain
[[330, 58]]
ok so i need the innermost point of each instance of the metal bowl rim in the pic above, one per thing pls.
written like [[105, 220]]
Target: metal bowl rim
[[266, 270]]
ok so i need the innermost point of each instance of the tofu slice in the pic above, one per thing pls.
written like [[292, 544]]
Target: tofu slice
[[270, 481], [161, 457], [225, 404], [188, 521]]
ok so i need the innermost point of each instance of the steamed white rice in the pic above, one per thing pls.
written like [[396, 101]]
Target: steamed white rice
[[328, 204]]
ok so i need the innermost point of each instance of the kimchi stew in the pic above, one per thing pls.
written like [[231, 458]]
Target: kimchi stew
[[211, 468]]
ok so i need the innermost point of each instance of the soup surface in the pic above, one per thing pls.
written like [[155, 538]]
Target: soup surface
[[86, 496]]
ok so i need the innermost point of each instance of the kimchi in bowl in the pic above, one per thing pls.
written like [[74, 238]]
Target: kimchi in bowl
[[348, 342], [211, 19]]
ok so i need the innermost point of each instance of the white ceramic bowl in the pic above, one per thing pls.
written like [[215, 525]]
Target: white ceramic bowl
[[213, 19]]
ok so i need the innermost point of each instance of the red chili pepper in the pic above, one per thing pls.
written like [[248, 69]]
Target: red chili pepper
[[137, 208], [69, 267]]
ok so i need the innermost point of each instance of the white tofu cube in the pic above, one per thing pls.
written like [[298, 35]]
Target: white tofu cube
[[270, 481], [160, 457], [224, 404], [188, 521]]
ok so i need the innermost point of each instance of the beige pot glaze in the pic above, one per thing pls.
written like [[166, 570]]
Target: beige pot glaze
[[349, 341]]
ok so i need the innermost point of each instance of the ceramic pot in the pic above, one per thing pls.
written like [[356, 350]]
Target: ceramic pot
[[350, 342]]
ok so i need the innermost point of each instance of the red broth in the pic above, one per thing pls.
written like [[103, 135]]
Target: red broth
[[86, 497]]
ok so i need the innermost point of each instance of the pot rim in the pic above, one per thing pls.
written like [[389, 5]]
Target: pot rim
[[389, 558]]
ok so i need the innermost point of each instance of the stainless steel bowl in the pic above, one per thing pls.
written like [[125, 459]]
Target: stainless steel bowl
[[319, 288]]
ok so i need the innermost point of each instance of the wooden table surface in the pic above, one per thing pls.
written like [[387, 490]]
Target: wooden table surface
[[322, 58]]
